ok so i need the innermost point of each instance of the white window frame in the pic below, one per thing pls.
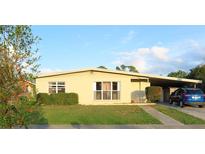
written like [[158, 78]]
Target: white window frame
[[101, 91], [56, 85]]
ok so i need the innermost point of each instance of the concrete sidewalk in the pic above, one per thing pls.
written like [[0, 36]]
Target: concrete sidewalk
[[166, 120], [133, 126]]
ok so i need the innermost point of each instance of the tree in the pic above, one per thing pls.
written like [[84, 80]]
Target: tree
[[118, 68], [121, 68], [18, 59], [124, 68], [21, 114], [198, 73], [132, 69], [178, 74], [18, 63], [102, 67]]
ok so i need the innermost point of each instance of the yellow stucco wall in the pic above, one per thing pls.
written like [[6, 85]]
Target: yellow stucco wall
[[82, 83], [138, 91]]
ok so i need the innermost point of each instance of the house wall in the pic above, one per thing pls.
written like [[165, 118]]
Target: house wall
[[138, 91], [82, 83]]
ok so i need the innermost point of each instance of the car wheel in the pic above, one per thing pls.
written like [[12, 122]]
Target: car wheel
[[181, 104], [200, 106]]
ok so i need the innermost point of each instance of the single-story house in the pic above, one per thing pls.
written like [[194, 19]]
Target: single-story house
[[103, 86]]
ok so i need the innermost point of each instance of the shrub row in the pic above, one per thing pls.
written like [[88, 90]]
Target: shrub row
[[59, 98], [153, 93]]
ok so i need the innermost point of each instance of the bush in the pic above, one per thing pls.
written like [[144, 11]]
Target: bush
[[153, 93], [43, 98], [59, 98], [7, 115], [23, 99], [20, 114], [73, 98]]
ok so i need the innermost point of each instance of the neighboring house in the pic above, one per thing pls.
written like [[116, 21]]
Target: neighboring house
[[28, 89], [102, 86]]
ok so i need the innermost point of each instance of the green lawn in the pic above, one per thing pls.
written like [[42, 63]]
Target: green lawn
[[78, 114], [180, 116]]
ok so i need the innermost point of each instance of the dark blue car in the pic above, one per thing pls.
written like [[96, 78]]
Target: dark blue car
[[189, 96]]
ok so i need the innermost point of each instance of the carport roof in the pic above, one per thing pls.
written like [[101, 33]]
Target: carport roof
[[151, 77]]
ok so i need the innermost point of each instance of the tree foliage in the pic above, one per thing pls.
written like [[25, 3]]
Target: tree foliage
[[18, 57], [121, 68], [129, 68], [18, 63], [198, 73], [178, 74], [132, 69], [102, 67], [21, 114]]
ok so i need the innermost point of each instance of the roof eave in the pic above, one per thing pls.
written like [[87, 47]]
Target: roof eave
[[121, 72]]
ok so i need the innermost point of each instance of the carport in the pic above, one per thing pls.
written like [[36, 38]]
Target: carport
[[170, 84]]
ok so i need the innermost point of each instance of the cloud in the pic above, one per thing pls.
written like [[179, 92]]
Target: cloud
[[130, 36], [162, 60], [144, 58], [160, 52]]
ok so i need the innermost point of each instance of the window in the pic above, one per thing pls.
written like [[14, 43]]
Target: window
[[106, 91], [115, 91], [52, 87], [61, 87], [98, 86], [114, 85], [195, 92], [98, 95], [56, 87]]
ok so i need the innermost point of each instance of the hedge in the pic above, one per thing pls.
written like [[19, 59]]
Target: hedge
[[59, 98], [73, 97], [153, 93], [43, 98]]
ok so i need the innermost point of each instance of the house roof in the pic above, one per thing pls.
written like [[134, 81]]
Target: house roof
[[30, 82], [120, 72]]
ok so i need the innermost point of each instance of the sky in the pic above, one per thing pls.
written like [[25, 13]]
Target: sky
[[151, 49]]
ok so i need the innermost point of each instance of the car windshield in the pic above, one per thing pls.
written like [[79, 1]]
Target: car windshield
[[194, 92]]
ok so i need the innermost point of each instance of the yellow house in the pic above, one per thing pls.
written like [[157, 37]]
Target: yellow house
[[102, 86]]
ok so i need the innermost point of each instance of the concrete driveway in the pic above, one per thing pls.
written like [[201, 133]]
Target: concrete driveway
[[195, 111]]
